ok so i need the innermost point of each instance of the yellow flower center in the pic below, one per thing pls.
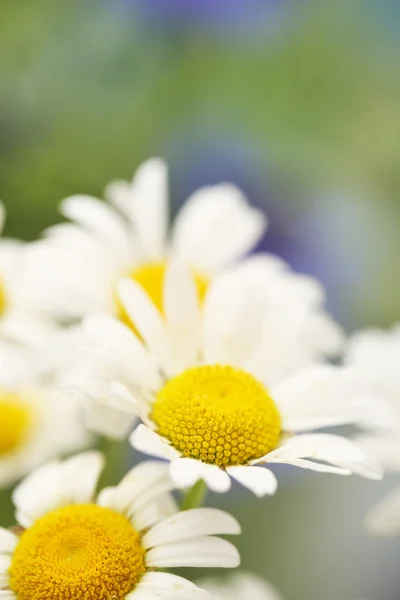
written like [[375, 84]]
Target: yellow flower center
[[82, 552], [151, 277], [218, 414], [3, 298], [15, 421]]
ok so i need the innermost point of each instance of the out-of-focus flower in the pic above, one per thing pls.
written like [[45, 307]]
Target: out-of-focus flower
[[73, 546], [198, 378], [241, 586], [77, 267], [378, 352], [20, 318], [36, 421]]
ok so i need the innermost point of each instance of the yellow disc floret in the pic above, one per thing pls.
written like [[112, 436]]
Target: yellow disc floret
[[151, 277], [82, 552], [15, 421], [218, 414]]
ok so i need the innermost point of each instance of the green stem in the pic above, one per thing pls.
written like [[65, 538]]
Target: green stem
[[114, 451], [195, 496]]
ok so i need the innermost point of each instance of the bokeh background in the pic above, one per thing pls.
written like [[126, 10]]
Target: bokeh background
[[298, 102]]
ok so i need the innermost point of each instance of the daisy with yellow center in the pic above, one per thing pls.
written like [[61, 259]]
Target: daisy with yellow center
[[205, 383], [36, 421], [77, 266], [71, 545]]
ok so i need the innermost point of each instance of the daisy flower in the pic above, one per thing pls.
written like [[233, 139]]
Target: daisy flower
[[204, 382], [71, 545], [36, 421], [76, 268], [378, 352], [20, 319], [240, 586]]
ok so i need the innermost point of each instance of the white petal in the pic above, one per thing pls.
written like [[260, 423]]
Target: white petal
[[58, 484], [216, 479], [385, 446], [317, 446], [385, 518], [115, 339], [196, 552], [148, 208], [8, 541], [185, 472], [7, 595], [147, 320], [216, 226], [191, 523], [5, 564], [100, 219], [149, 442], [260, 481], [314, 466], [320, 396], [167, 586], [181, 308]]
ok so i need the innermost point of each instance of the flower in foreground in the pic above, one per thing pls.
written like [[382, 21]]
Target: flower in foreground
[[77, 266], [71, 546], [240, 586], [199, 379], [36, 421], [378, 352]]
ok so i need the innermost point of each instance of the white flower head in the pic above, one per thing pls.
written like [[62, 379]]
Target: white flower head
[[77, 267], [71, 545], [36, 421], [205, 383], [240, 586]]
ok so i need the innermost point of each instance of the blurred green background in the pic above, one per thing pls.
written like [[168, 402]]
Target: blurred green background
[[298, 102]]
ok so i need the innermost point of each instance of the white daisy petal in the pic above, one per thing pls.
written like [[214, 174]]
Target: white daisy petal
[[115, 339], [189, 524], [169, 587], [320, 396], [181, 307], [215, 226], [318, 446], [384, 519], [7, 595], [216, 479], [146, 319], [260, 481], [148, 208], [8, 541], [98, 218], [314, 466], [186, 471], [195, 552], [148, 442], [5, 564], [80, 477]]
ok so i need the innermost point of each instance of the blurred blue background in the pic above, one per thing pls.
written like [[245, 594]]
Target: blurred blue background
[[298, 102]]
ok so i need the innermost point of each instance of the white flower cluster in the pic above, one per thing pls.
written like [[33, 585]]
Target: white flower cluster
[[218, 362]]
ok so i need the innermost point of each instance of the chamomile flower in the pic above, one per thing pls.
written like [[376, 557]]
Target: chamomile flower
[[20, 317], [378, 352], [70, 545], [240, 586], [205, 383], [36, 421], [77, 267]]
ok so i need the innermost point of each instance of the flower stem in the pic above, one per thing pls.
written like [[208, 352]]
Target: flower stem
[[194, 497]]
